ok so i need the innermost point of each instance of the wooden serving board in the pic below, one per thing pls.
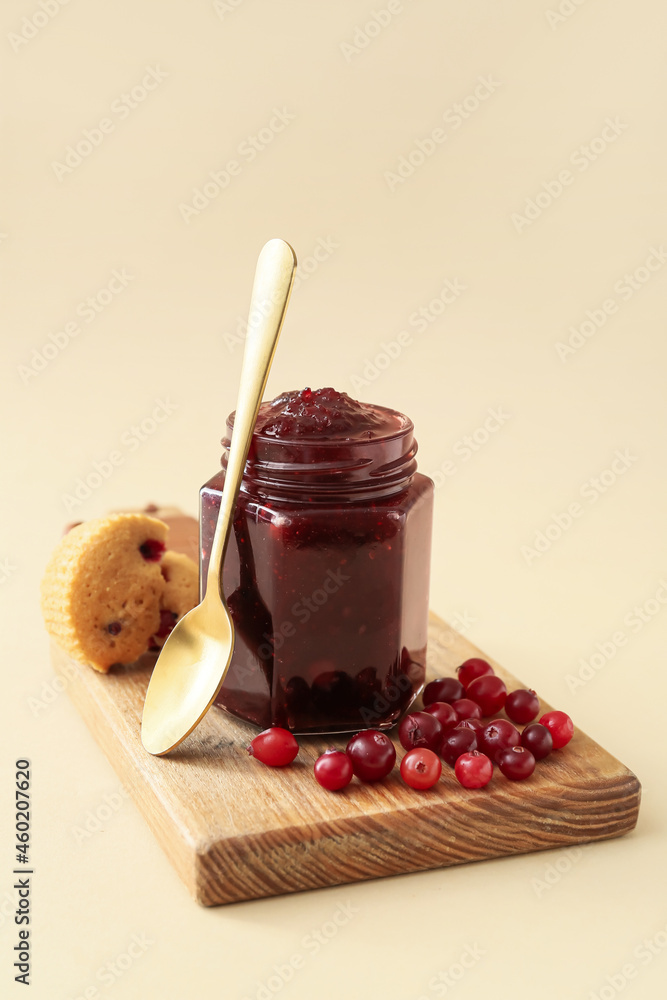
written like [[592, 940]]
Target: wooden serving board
[[235, 829]]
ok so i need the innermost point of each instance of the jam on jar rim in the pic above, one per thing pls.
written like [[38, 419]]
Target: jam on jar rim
[[325, 415], [378, 464]]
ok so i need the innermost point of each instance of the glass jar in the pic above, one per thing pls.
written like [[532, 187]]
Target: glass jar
[[327, 570]]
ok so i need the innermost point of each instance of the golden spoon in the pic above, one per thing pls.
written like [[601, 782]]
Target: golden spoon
[[195, 658]]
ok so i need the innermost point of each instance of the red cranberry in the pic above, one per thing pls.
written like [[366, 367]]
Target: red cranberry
[[473, 769], [472, 669], [333, 770], [114, 628], [474, 724], [275, 747], [522, 706], [167, 622], [372, 754], [516, 763], [421, 768], [465, 708], [420, 729], [444, 713], [537, 739], [497, 735], [152, 549], [489, 692], [332, 690], [297, 694], [456, 742], [444, 689], [560, 726]]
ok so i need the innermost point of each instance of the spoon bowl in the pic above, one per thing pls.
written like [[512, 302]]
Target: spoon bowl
[[195, 658], [191, 674]]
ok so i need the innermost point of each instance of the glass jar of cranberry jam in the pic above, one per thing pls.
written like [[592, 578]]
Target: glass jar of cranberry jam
[[327, 571]]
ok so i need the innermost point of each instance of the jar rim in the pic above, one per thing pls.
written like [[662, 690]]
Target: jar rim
[[281, 467]]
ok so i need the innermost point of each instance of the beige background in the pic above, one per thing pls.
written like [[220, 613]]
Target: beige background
[[169, 335]]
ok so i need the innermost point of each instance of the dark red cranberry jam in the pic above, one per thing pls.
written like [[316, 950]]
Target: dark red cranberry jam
[[327, 570], [325, 414]]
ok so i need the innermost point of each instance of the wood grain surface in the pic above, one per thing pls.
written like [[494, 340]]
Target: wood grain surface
[[235, 829]]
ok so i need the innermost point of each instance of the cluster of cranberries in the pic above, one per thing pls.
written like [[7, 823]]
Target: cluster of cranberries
[[451, 727]]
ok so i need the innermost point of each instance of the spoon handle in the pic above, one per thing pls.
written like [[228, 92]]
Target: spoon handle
[[270, 295]]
